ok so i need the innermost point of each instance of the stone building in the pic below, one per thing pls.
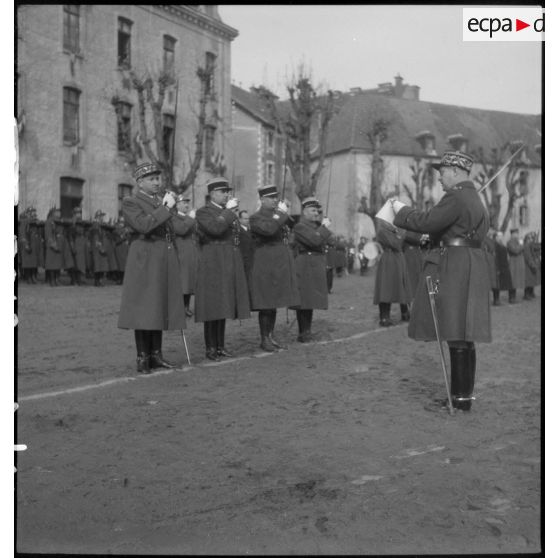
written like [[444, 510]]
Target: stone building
[[78, 112], [258, 150]]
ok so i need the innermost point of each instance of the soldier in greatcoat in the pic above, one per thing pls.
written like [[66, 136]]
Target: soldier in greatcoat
[[79, 245], [221, 287], [310, 236], [151, 291], [54, 246], [110, 249], [392, 283], [532, 265], [246, 243], [29, 245], [517, 263], [503, 267], [186, 244], [457, 225], [97, 242], [489, 246], [273, 281]]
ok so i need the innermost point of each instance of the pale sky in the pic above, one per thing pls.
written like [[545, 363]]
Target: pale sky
[[363, 45]]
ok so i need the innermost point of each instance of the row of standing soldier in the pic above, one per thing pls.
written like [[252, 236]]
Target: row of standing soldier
[[285, 269], [80, 247]]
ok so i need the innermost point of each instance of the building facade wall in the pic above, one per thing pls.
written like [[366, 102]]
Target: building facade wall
[[44, 68]]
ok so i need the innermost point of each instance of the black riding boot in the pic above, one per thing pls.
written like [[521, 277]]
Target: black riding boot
[[221, 351], [405, 314], [512, 296], [272, 320], [143, 347], [187, 310], [462, 376], [265, 331], [210, 336], [385, 309], [304, 319], [157, 360]]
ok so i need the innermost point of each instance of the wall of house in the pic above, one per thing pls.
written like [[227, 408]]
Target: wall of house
[[44, 69]]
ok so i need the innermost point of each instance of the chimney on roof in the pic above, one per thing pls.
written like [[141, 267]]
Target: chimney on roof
[[427, 141], [336, 94], [458, 142], [355, 90], [411, 92], [399, 87]]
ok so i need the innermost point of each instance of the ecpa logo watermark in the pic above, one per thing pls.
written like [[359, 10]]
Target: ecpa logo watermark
[[503, 24]]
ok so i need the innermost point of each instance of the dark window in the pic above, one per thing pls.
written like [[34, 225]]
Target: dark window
[[524, 215], [124, 120], [124, 43], [270, 141], [168, 53], [269, 173], [71, 195], [210, 62], [209, 145], [168, 133], [71, 115], [71, 28], [124, 191]]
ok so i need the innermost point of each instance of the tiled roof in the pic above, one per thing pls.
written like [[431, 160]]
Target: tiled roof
[[251, 103], [486, 128]]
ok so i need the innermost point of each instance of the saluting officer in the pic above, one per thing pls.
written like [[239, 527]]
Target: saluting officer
[[457, 225], [310, 239], [273, 281], [187, 250], [221, 288], [151, 291]]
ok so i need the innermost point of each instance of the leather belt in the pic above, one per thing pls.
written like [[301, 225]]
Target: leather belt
[[152, 237], [461, 242]]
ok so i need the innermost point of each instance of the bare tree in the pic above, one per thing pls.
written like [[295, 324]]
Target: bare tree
[[307, 112], [515, 181], [151, 89], [423, 182]]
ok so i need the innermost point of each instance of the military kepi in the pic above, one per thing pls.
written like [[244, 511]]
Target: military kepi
[[455, 159], [218, 183], [310, 202], [145, 169], [268, 191]]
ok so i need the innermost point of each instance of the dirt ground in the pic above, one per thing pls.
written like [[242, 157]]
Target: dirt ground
[[325, 448]]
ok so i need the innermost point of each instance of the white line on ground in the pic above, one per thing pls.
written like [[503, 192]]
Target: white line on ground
[[163, 372]]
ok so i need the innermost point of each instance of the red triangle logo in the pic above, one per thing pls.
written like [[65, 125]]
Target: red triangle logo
[[519, 25]]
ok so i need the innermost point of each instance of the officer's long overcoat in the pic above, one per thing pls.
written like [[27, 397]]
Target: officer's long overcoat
[[463, 298], [81, 246], [517, 263], [121, 245], [187, 255], [392, 280], [272, 281], [310, 239], [97, 245], [54, 245], [502, 267], [413, 258], [151, 292], [489, 246], [221, 287], [29, 244]]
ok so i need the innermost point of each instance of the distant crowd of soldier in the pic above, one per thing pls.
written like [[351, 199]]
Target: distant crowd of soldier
[[94, 249]]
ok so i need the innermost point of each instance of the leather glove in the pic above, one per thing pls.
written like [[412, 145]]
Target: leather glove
[[232, 203], [169, 200], [283, 207], [192, 214], [326, 222]]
